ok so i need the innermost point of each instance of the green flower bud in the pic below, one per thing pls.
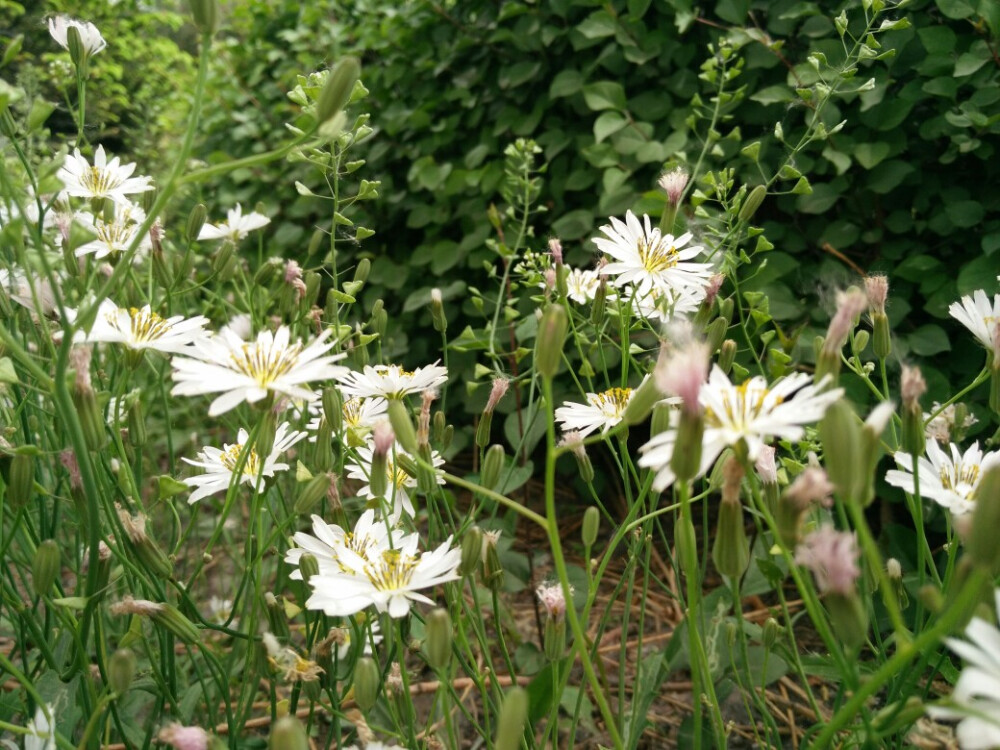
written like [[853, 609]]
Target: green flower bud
[[402, 425], [770, 632], [513, 715], [362, 270], [752, 203], [121, 670], [727, 354], [982, 541], [380, 319], [472, 551], [308, 566], [438, 317], [550, 341], [882, 341], [288, 733], [726, 307], [932, 598], [716, 333], [91, 420], [367, 683], [171, 618], [314, 491], [840, 432], [731, 550], [21, 486], [277, 620], [136, 424], [686, 544], [316, 241], [323, 449], [591, 525], [269, 271], [437, 645], [333, 407], [483, 429], [597, 312], [493, 464], [196, 220], [686, 459], [660, 421], [146, 549], [995, 387], [861, 339], [642, 401], [554, 638], [849, 618], [205, 14], [492, 570], [338, 89], [45, 567]]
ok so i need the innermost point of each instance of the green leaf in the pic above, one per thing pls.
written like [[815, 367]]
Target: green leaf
[[7, 372], [971, 61], [604, 95], [517, 74], [566, 83], [929, 339], [965, 214], [956, 9], [574, 225], [597, 25], [608, 123], [870, 154], [937, 40], [824, 195], [980, 273], [167, 486], [773, 95]]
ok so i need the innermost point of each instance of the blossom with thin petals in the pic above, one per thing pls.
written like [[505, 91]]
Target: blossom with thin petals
[[116, 236], [832, 556], [219, 464], [90, 36], [141, 328], [553, 599], [976, 698], [181, 737], [339, 551], [684, 372], [250, 370], [602, 411], [951, 481], [747, 413], [41, 730], [399, 484], [391, 381], [647, 259], [105, 179], [666, 305], [977, 314], [941, 426], [673, 184], [235, 227]]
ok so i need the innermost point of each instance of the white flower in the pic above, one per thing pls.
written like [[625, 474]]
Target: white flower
[[248, 371], [115, 236], [979, 316], [141, 328], [16, 285], [220, 464], [41, 734], [582, 284], [338, 551], [90, 37], [951, 481], [103, 180], [940, 427], [664, 305], [389, 581], [749, 412], [359, 413], [602, 411], [399, 482], [648, 259], [235, 227], [391, 381], [976, 698]]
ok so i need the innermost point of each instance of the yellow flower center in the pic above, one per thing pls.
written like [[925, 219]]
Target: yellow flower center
[[741, 405], [393, 572], [115, 235], [231, 456], [266, 364], [960, 478], [657, 255], [612, 402], [144, 324], [353, 409], [99, 181]]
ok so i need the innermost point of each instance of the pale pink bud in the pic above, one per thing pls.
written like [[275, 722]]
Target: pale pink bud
[[766, 468], [383, 437], [184, 738], [68, 459], [79, 360], [683, 372], [811, 486], [550, 279], [912, 387], [497, 392], [732, 477], [712, 289], [877, 288], [293, 272], [673, 184], [424, 419], [850, 305], [574, 441], [555, 250], [552, 599], [130, 606], [832, 557]]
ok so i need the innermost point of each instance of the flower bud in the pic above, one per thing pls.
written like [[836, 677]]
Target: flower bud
[[727, 354], [121, 670], [752, 203], [288, 734], [686, 544], [995, 383], [205, 14], [840, 432], [882, 341], [268, 272], [77, 49], [323, 449], [642, 401], [196, 220], [171, 618], [686, 459], [912, 388], [861, 339], [600, 303], [770, 632], [45, 566], [402, 425], [146, 549], [510, 725], [367, 683], [716, 333], [551, 338], [338, 89], [438, 317], [483, 429], [21, 486], [731, 549], [726, 307], [660, 421], [982, 540], [492, 570], [849, 618], [554, 638], [380, 319], [437, 645], [492, 466], [472, 551], [308, 566], [591, 525], [277, 620], [314, 491], [136, 424]]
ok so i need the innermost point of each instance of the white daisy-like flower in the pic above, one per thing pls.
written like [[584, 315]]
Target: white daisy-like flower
[[41, 732], [235, 227], [748, 413], [141, 328], [976, 698], [250, 370], [581, 284], [359, 413], [392, 381], [390, 581], [116, 236], [90, 36], [104, 179], [951, 481], [15, 285], [940, 428], [979, 316], [219, 465], [664, 305], [601, 412], [340, 551], [647, 259], [399, 482]]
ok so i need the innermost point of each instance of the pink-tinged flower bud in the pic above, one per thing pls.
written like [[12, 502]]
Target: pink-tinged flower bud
[[811, 487], [497, 392], [850, 305], [832, 557], [556, 251], [683, 372], [712, 289], [912, 387], [551, 277], [181, 737], [552, 599], [574, 441], [877, 289], [765, 465], [673, 184]]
